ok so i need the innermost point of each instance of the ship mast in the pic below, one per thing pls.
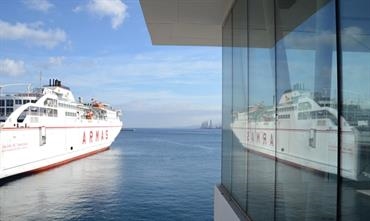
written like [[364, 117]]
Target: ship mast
[[40, 76]]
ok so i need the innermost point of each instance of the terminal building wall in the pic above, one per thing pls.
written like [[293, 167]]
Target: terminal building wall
[[296, 109]]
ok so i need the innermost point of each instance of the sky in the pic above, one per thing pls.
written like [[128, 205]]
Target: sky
[[101, 49]]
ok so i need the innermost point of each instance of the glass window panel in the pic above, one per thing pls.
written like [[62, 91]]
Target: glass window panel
[[261, 111], [9, 111], [226, 102], [307, 129], [355, 130], [239, 105], [9, 102]]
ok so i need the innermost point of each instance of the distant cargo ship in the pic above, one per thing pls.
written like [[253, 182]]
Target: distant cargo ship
[[47, 127]]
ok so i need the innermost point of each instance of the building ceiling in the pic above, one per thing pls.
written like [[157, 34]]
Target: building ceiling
[[199, 22], [185, 22]]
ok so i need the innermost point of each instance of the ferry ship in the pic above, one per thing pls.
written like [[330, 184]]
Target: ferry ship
[[47, 127], [313, 122]]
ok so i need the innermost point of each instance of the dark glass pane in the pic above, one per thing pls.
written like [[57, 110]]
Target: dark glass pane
[[355, 133], [9, 102], [306, 144], [261, 112], [239, 98], [9, 111], [226, 102]]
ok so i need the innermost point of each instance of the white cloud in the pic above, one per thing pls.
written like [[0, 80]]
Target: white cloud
[[114, 9], [11, 67], [56, 60], [32, 33], [38, 5]]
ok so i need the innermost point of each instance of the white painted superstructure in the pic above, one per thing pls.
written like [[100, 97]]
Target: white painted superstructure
[[47, 127]]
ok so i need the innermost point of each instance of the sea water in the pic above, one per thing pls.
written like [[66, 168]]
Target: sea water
[[148, 174]]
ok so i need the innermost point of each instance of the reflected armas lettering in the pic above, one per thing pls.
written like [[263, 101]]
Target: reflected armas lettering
[[260, 138], [90, 136]]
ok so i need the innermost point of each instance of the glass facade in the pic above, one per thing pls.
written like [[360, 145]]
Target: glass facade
[[296, 109]]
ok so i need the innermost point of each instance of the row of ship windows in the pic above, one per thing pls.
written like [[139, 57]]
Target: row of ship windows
[[321, 114], [284, 116], [11, 103], [44, 111], [66, 105], [285, 109], [5, 111], [301, 106], [48, 102], [36, 111], [31, 111], [70, 114]]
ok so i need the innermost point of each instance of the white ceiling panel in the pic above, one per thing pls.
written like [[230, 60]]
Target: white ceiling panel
[[185, 22]]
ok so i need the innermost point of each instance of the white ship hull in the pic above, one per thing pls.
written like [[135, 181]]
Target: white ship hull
[[21, 150], [48, 128]]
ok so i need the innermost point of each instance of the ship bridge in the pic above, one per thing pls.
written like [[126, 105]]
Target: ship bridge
[[63, 92]]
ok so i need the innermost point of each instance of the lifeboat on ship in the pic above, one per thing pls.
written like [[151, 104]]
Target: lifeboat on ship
[[89, 115], [98, 105]]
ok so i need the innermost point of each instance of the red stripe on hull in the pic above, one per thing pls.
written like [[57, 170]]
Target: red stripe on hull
[[41, 169]]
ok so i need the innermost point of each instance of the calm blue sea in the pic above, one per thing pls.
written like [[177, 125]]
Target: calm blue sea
[[148, 174]]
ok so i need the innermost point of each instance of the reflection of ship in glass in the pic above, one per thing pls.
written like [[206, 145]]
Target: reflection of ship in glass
[[305, 133]]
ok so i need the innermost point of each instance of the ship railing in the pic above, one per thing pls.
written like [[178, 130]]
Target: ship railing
[[37, 111]]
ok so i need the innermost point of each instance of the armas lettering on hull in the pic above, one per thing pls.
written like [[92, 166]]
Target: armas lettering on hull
[[94, 137]]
